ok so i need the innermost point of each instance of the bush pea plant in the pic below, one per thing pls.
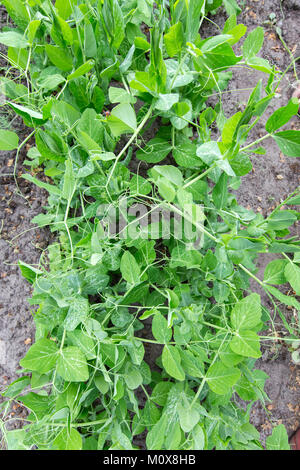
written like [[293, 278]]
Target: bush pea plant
[[92, 80]]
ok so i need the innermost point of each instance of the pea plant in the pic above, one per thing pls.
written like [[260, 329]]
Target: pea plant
[[146, 324]]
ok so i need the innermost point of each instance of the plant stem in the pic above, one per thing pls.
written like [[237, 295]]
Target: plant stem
[[251, 275], [133, 137], [256, 142], [200, 176]]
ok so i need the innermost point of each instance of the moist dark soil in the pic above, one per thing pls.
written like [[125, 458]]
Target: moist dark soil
[[273, 177]]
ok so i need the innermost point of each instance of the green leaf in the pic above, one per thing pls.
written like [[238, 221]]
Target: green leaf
[[294, 200], [174, 435], [156, 150], [39, 404], [13, 39], [246, 314], [241, 164], [253, 43], [166, 101], [274, 272], [101, 384], [29, 272], [169, 172], [8, 140], [281, 220], [285, 299], [130, 270], [59, 57], [68, 439], [292, 274], [66, 31], [171, 361], [258, 63], [51, 82], [184, 197], [84, 342], [82, 70], [156, 436], [77, 313], [279, 439], [236, 31], [105, 156], [182, 114], [139, 185], [221, 379], [246, 343], [90, 145], [220, 192], [281, 247], [229, 128], [16, 387], [231, 7], [124, 66], [49, 187], [196, 8], [64, 8], [72, 365], [282, 115], [18, 57], [42, 356], [188, 417], [32, 29], [15, 439], [18, 12], [192, 365], [199, 437], [210, 152], [160, 393], [288, 142], [67, 114], [28, 114], [228, 357], [114, 21], [184, 154], [132, 377], [173, 39], [212, 5], [122, 119], [160, 329], [90, 43], [166, 189], [51, 146], [141, 43], [69, 181], [212, 43], [119, 95], [217, 56]]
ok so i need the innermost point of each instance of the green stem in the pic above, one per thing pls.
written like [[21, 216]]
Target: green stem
[[199, 227], [200, 176], [256, 142], [80, 425], [204, 378], [133, 137], [17, 157], [251, 275]]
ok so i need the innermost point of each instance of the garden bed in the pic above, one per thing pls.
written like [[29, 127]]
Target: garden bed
[[272, 179]]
